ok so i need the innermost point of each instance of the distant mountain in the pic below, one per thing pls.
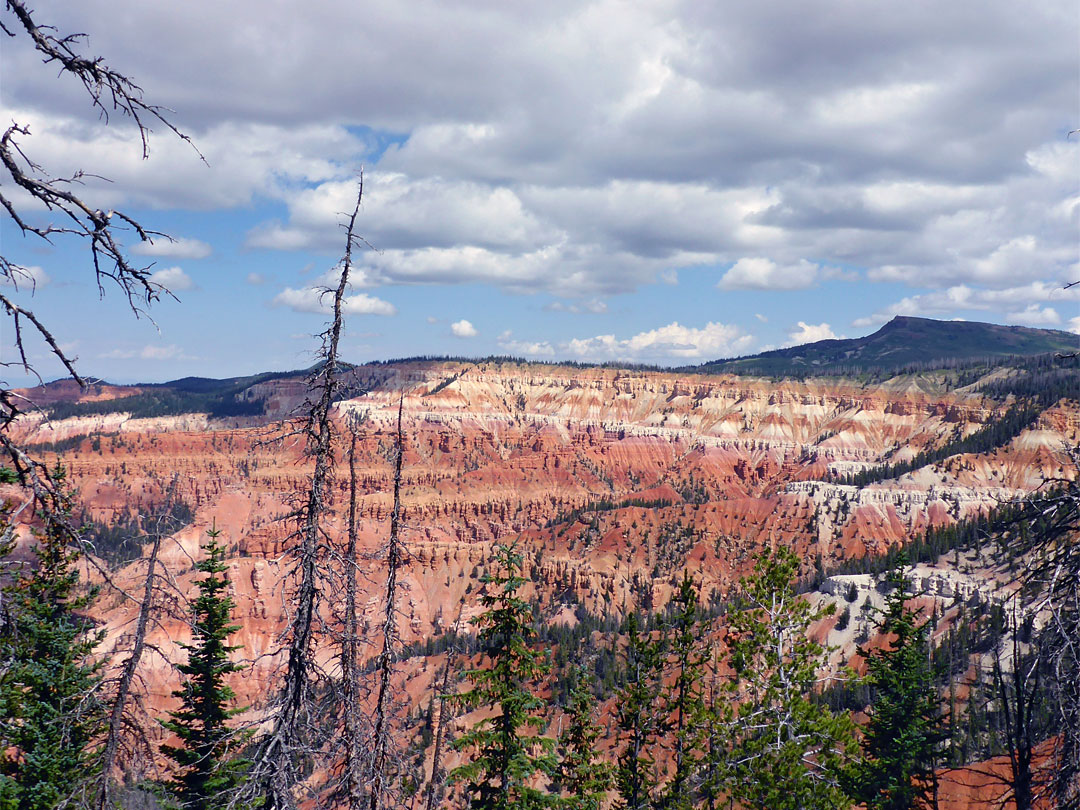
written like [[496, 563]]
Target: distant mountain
[[903, 344], [900, 344]]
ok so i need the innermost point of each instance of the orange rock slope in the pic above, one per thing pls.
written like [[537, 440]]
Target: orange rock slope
[[612, 481]]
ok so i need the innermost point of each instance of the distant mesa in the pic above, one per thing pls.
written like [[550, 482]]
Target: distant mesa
[[904, 343]]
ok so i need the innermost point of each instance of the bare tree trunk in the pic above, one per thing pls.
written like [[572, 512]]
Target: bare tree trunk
[[283, 752], [438, 778], [395, 558], [127, 675], [354, 779]]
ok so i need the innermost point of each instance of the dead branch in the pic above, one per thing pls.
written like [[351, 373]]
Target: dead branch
[[395, 558], [120, 704], [350, 677], [284, 752]]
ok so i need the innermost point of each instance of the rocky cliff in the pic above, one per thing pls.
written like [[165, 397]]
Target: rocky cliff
[[613, 482]]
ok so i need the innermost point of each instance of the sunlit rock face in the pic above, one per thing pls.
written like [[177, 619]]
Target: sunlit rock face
[[612, 482]]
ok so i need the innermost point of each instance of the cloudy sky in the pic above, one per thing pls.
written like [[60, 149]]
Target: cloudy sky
[[666, 182]]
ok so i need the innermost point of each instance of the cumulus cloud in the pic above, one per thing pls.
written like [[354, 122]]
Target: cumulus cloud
[[524, 348], [1034, 315], [765, 274], [463, 329], [673, 341], [810, 333], [25, 277], [590, 149], [176, 248], [963, 297], [316, 300], [249, 159], [173, 279]]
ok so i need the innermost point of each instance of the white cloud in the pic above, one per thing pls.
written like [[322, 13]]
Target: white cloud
[[590, 149], [149, 352], [173, 279], [524, 348], [176, 248], [673, 341], [809, 333], [248, 159], [255, 279], [1034, 315], [320, 302], [765, 274], [761, 317], [964, 297], [1074, 325], [463, 329], [28, 278]]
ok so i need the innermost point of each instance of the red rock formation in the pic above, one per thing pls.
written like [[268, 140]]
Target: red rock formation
[[692, 472]]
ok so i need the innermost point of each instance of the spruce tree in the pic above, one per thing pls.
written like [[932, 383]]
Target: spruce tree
[[904, 739], [684, 698], [209, 773], [508, 752], [785, 751], [582, 774], [49, 708], [639, 721]]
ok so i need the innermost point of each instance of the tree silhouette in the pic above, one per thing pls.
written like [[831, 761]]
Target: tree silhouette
[[902, 742], [508, 753], [49, 708], [210, 772]]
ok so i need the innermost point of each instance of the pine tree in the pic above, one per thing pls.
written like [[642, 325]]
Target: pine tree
[[49, 709], [904, 739], [208, 772], [684, 700], [784, 750], [508, 752], [639, 721], [582, 774]]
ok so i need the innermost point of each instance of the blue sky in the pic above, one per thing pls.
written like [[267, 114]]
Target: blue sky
[[659, 182]]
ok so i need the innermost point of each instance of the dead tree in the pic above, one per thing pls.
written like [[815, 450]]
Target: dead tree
[[437, 784], [1018, 687], [382, 744], [1017, 695], [288, 748], [68, 215], [127, 723], [1045, 532], [352, 717], [47, 208]]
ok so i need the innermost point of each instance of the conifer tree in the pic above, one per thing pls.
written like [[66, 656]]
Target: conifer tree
[[209, 774], [582, 773], [903, 741], [508, 752], [639, 721], [785, 752], [684, 702], [49, 709]]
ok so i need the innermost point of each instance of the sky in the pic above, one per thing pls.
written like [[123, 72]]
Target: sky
[[657, 182]]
